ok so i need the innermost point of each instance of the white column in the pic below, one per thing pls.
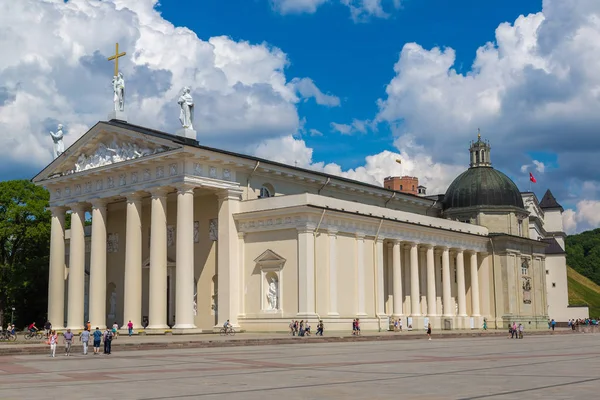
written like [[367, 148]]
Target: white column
[[431, 293], [56, 276], [360, 274], [397, 279], [306, 272], [333, 281], [97, 302], [132, 299], [484, 282], [460, 285], [474, 286], [448, 309], [184, 250], [242, 258], [76, 268], [157, 307], [228, 264], [380, 310], [414, 280]]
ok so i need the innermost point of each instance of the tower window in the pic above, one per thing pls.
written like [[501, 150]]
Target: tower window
[[553, 284], [400, 187], [266, 191]]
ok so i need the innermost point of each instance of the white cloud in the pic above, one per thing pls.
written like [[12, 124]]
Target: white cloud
[[57, 72], [586, 215], [315, 132], [538, 166], [356, 126], [360, 10], [307, 89], [296, 6], [415, 162]]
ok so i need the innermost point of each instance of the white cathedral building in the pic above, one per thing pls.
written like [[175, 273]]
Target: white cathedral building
[[189, 237]]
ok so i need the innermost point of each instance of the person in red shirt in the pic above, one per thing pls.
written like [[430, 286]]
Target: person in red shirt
[[33, 328]]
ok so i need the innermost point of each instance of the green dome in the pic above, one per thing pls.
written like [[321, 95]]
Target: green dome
[[482, 186]]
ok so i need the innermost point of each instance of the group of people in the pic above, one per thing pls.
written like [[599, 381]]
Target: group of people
[[300, 328], [588, 321], [516, 331], [68, 337]]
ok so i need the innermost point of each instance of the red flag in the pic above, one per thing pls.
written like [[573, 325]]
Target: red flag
[[532, 178]]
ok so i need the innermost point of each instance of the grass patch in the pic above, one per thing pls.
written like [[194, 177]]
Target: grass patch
[[583, 291]]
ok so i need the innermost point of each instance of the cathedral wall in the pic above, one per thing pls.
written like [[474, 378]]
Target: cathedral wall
[[285, 244], [347, 276]]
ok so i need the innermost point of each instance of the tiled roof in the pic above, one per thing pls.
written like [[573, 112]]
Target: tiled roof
[[549, 201], [553, 246]]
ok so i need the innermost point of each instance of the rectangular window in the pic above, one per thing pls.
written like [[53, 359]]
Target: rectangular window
[[553, 284], [547, 272]]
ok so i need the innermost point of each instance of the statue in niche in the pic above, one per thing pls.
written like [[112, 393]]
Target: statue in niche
[[273, 294], [526, 290], [196, 231], [113, 243], [196, 303], [170, 235], [57, 138], [113, 304], [213, 230]]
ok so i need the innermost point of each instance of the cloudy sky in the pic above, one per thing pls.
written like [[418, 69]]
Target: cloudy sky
[[344, 86]]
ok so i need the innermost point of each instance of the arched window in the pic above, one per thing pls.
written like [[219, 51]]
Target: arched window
[[266, 191]]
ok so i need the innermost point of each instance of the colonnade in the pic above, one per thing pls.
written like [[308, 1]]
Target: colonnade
[[448, 307], [132, 302]]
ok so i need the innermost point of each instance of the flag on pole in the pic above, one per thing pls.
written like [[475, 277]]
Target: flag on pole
[[532, 178]]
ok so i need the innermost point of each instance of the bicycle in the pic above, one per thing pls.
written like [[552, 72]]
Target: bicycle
[[227, 331], [8, 336], [37, 335]]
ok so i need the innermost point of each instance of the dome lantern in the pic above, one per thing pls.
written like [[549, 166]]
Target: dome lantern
[[480, 152]]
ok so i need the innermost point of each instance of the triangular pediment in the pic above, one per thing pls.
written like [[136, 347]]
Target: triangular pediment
[[269, 256], [104, 145]]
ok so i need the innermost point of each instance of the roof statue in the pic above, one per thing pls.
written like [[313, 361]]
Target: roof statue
[[186, 114], [118, 85], [57, 138]]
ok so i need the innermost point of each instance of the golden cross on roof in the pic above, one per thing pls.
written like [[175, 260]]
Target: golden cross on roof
[[116, 58]]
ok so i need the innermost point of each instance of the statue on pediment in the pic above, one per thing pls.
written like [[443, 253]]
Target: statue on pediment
[[57, 138], [186, 115]]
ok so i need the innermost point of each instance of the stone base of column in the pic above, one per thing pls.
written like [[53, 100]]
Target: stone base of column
[[184, 326], [418, 322], [158, 331], [158, 327], [333, 315], [186, 331], [307, 315]]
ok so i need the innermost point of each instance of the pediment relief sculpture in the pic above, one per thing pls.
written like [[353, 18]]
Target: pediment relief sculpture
[[112, 153]]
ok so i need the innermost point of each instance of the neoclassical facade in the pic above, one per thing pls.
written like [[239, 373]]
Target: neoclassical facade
[[189, 236]]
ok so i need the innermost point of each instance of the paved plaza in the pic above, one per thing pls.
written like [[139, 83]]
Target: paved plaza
[[549, 367]]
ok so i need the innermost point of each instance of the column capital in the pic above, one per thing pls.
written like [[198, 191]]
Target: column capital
[[483, 253], [241, 235], [184, 188], [58, 210], [427, 246], [99, 202], [230, 194], [443, 248], [305, 229], [159, 192], [359, 236], [78, 207], [133, 197], [379, 239]]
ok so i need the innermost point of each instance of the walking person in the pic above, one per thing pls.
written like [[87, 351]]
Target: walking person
[[52, 339], [68, 336], [429, 331], [515, 331], [521, 330], [130, 328], [108, 336], [97, 339], [84, 338], [485, 324], [115, 330], [553, 324], [47, 329]]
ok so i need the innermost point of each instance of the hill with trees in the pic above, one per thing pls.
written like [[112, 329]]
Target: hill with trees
[[583, 254], [583, 291]]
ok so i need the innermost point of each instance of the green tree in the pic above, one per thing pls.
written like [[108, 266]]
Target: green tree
[[583, 254], [24, 251]]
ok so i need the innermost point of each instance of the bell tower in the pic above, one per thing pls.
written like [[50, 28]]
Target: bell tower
[[480, 152]]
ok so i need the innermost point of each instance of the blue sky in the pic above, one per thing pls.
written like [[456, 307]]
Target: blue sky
[[341, 86], [351, 60]]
